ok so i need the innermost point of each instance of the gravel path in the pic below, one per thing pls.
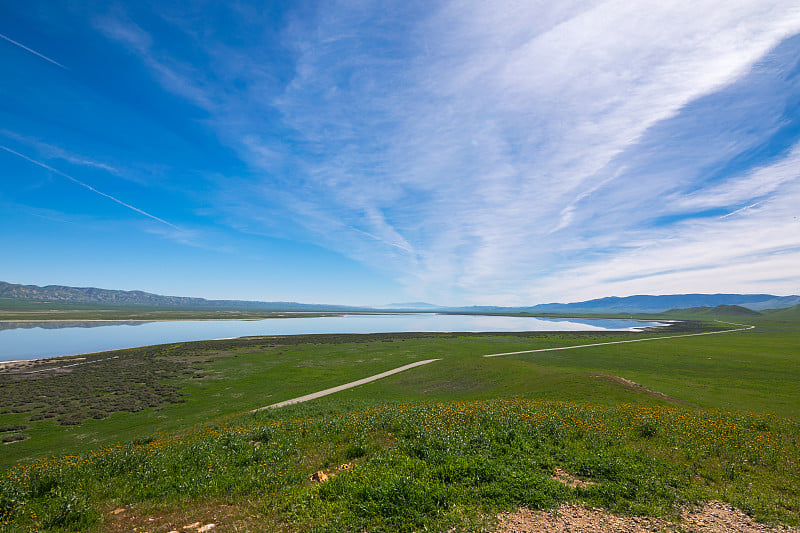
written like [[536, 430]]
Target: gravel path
[[744, 327], [350, 385]]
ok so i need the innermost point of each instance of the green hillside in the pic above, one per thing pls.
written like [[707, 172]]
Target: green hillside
[[162, 435], [790, 314], [720, 311]]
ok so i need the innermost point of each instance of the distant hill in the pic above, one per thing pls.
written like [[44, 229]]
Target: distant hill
[[422, 306], [791, 313], [644, 304], [114, 298], [662, 303], [732, 311], [59, 294], [780, 302]]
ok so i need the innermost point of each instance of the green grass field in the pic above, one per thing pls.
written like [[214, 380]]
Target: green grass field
[[654, 424]]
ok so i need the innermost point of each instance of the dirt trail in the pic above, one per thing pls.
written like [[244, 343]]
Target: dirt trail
[[332, 390], [641, 389], [350, 385], [744, 327]]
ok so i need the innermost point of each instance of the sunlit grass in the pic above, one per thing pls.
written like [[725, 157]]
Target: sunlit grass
[[417, 465]]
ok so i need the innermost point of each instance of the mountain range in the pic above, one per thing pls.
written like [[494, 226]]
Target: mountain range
[[643, 303], [115, 298], [665, 302], [613, 304]]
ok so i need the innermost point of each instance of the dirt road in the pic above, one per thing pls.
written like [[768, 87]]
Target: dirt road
[[350, 385], [744, 328]]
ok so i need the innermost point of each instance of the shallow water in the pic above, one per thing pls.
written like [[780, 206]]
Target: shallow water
[[31, 340]]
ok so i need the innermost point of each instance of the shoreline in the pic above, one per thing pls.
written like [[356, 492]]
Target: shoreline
[[78, 320], [38, 360]]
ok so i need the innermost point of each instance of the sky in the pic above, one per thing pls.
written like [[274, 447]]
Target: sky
[[367, 152]]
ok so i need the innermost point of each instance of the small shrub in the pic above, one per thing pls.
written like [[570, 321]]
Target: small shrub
[[42, 484], [74, 419], [15, 427], [263, 435], [647, 430], [70, 512], [10, 498], [354, 451]]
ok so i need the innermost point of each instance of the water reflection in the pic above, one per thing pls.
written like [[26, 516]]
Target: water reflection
[[19, 340], [72, 324]]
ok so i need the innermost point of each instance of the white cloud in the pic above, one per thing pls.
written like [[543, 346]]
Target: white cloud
[[176, 76], [755, 250], [473, 149], [739, 189], [550, 114]]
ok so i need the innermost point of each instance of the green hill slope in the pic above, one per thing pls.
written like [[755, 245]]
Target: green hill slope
[[153, 438], [448, 466], [720, 311], [790, 314]]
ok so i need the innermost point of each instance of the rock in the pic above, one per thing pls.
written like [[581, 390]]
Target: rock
[[319, 477]]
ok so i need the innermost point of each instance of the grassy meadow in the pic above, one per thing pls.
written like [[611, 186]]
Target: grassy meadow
[[165, 432]]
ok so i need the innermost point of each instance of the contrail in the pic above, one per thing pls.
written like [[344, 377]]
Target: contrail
[[740, 210], [404, 248], [12, 41], [82, 184]]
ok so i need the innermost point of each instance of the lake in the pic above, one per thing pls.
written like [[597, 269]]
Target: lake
[[31, 340]]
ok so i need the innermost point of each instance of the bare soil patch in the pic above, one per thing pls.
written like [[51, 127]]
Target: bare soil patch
[[712, 517], [641, 389], [569, 480], [212, 516]]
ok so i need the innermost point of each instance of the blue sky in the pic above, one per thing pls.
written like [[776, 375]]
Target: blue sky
[[464, 152]]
